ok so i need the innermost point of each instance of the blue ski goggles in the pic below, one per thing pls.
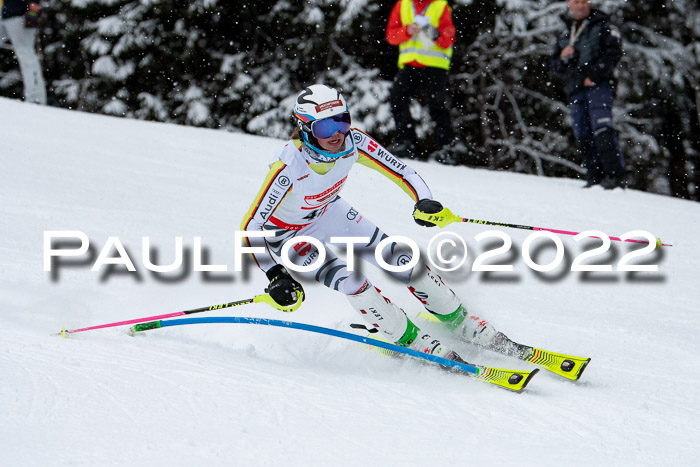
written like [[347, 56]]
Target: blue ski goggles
[[327, 127]]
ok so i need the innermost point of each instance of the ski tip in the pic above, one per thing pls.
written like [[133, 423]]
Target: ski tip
[[572, 368], [519, 381], [566, 366], [583, 367], [63, 333], [512, 380], [528, 378]]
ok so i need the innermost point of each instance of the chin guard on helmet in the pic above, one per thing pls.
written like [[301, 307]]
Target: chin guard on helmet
[[324, 156]]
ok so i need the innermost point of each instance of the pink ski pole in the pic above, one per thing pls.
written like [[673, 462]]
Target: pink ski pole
[[445, 217], [263, 298]]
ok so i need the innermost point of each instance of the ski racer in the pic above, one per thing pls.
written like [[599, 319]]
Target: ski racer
[[300, 197]]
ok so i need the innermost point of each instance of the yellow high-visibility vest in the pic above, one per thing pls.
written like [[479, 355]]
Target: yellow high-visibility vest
[[420, 48]]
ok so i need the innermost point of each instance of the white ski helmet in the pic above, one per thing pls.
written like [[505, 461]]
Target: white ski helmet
[[320, 111]]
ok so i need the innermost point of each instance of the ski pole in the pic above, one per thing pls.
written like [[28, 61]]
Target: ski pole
[[445, 218], [467, 367], [513, 380], [262, 298]]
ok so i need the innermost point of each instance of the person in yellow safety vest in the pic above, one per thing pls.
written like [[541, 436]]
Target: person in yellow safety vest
[[424, 32]]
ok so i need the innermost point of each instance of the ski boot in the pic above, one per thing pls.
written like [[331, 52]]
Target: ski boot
[[394, 325]]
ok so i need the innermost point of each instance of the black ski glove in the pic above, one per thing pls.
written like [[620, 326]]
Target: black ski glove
[[283, 288], [426, 206]]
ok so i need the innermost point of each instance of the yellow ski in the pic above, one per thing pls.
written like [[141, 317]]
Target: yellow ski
[[514, 380], [509, 379], [568, 366]]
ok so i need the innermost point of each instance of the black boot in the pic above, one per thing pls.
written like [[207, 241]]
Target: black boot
[[610, 183]]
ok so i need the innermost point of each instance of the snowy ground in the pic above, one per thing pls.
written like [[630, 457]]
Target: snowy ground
[[244, 395]]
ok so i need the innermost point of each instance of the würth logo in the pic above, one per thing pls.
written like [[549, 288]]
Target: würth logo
[[372, 146], [329, 105]]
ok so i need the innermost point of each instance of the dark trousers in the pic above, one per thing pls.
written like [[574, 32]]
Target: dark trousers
[[406, 84], [596, 139]]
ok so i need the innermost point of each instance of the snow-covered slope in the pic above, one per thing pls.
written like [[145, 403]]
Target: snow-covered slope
[[244, 395]]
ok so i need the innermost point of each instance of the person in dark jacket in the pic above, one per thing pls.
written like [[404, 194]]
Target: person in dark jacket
[[585, 55], [18, 21]]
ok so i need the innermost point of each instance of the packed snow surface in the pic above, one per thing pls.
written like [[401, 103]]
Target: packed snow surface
[[229, 395]]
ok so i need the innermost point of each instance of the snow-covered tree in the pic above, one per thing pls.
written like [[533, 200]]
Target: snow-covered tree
[[238, 65]]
